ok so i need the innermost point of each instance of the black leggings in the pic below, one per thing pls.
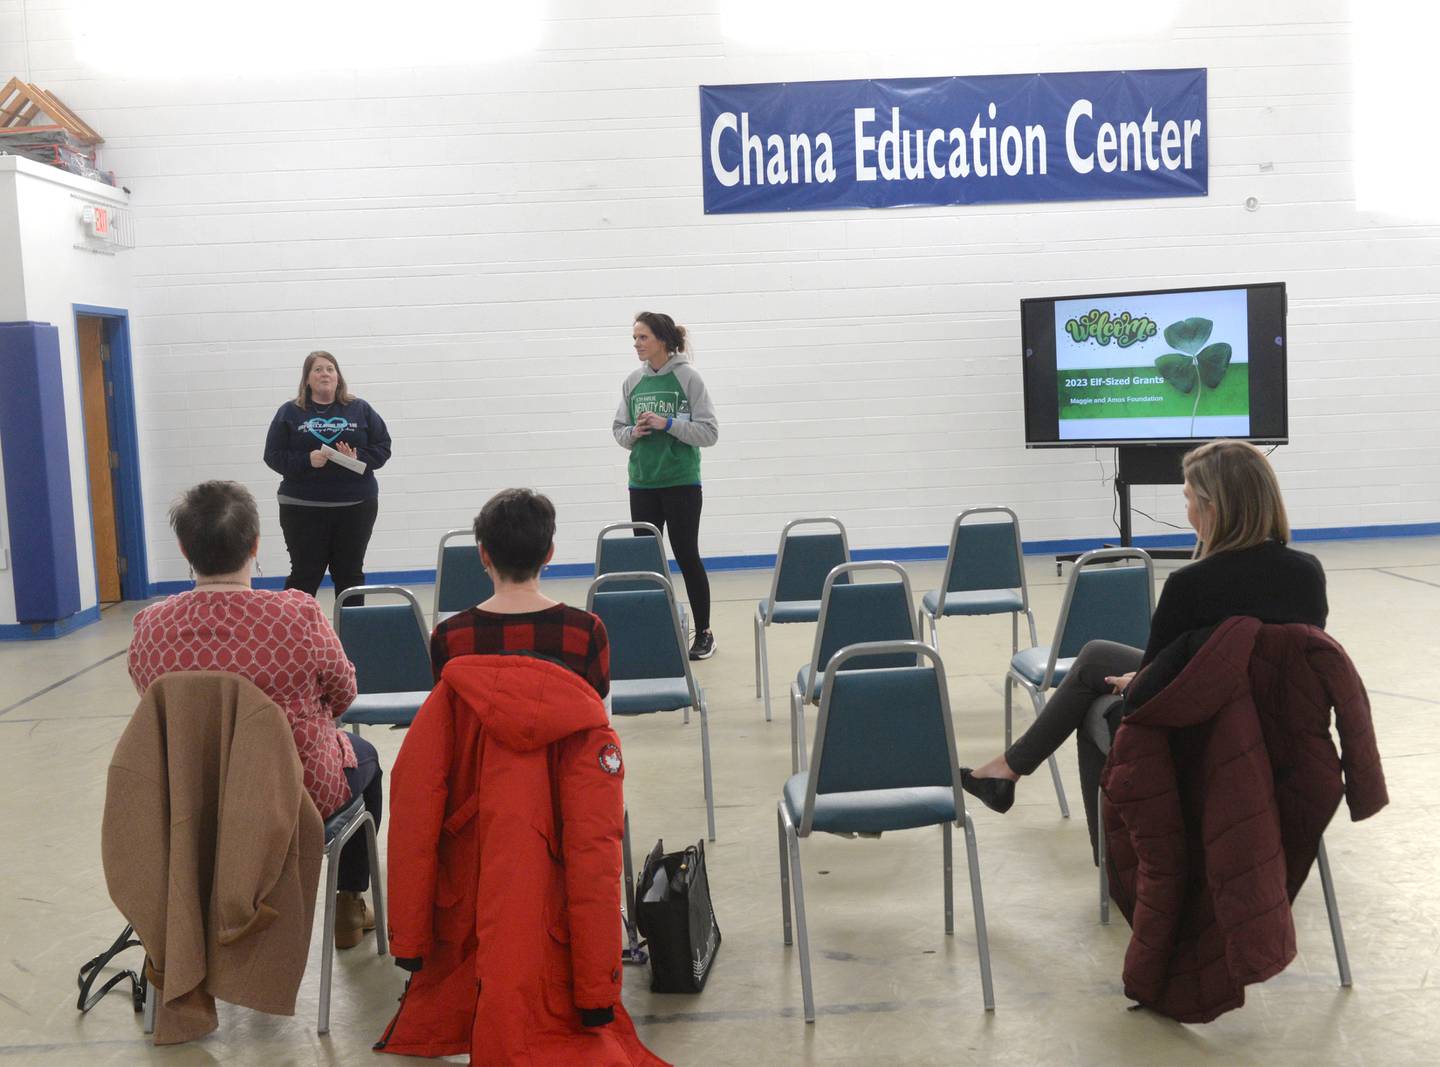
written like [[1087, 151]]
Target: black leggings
[[680, 506], [1070, 701], [327, 538], [363, 779]]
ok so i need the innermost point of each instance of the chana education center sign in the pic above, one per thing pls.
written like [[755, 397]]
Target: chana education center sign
[[1098, 135]]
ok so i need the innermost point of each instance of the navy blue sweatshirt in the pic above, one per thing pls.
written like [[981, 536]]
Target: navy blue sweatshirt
[[296, 432]]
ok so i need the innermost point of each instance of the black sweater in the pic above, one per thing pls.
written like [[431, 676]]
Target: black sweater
[[1271, 582], [296, 432]]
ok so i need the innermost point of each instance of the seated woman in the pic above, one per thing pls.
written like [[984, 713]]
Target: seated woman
[[283, 643], [1245, 567], [514, 533], [507, 817]]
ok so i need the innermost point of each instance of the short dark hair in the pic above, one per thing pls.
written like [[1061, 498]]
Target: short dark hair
[[217, 524], [516, 527]]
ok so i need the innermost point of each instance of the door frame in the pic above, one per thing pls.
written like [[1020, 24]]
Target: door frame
[[125, 440]]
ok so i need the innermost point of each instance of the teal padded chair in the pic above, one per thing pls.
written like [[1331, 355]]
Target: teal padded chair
[[1101, 602], [802, 563], [851, 612], [639, 548], [885, 760], [649, 663], [461, 581], [984, 575], [390, 647]]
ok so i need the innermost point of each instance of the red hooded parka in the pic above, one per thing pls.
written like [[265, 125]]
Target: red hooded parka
[[506, 824]]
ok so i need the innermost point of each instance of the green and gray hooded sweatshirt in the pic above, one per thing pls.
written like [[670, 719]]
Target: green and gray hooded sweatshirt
[[660, 460]]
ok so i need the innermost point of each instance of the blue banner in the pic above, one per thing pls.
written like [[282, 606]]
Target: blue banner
[[1099, 135]]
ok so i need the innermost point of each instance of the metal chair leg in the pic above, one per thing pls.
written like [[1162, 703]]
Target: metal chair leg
[[1332, 908], [377, 887], [977, 904], [802, 936], [1100, 851], [151, 1003], [796, 756], [755, 625], [799, 749], [784, 875], [632, 933], [765, 671], [327, 933], [1009, 712], [948, 849], [705, 760], [1039, 706]]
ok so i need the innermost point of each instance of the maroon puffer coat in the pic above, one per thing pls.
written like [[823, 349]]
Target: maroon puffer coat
[[1218, 789]]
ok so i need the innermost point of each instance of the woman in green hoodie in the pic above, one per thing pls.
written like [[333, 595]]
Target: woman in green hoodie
[[664, 419]]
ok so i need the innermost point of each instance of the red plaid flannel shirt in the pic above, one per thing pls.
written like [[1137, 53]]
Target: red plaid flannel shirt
[[568, 635]]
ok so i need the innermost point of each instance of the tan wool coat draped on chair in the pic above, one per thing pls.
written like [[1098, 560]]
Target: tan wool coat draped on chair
[[212, 849]]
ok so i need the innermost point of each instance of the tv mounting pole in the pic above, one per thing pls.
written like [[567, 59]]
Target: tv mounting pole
[[1141, 465]]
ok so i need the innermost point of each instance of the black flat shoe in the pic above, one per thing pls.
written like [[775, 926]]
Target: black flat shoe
[[997, 794]]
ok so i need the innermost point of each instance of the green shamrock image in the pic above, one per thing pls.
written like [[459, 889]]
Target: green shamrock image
[[1196, 363]]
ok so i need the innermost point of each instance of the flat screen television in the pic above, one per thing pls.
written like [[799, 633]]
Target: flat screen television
[[1167, 366]]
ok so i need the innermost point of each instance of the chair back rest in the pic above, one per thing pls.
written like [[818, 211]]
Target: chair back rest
[[460, 578], [629, 552], [642, 625], [883, 729], [1106, 602], [986, 555], [864, 612], [388, 643], [804, 560]]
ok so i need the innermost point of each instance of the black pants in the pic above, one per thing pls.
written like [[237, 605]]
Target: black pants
[[680, 507], [1065, 710], [334, 539], [364, 779]]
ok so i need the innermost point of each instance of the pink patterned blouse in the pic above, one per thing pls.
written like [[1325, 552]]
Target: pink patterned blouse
[[283, 643]]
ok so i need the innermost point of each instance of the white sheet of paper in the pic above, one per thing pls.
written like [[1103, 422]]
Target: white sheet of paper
[[356, 465]]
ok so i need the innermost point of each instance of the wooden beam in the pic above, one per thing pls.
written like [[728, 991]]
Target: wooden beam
[[63, 115], [21, 131], [9, 111]]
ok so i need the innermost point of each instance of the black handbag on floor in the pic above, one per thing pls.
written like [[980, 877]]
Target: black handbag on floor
[[675, 916]]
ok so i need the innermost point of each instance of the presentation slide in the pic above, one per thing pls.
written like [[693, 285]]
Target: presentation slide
[[1153, 367]]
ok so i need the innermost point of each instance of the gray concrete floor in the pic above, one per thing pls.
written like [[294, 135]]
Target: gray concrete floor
[[890, 986]]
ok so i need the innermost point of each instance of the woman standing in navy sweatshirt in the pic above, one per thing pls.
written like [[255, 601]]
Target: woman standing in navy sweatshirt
[[326, 510]]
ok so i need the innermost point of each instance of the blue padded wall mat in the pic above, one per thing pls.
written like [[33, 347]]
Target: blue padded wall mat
[[36, 454]]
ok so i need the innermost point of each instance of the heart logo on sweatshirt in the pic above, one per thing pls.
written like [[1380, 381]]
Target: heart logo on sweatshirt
[[328, 430]]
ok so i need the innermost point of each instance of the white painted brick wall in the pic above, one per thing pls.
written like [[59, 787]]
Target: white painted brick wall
[[472, 241]]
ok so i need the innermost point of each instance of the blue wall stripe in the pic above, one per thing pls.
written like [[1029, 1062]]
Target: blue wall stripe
[[915, 553]]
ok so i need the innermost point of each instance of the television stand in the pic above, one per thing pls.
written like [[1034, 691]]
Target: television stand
[[1141, 465]]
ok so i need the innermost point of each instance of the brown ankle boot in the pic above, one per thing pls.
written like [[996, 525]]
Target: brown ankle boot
[[353, 918]]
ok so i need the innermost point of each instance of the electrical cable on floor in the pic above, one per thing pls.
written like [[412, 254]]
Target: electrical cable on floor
[[1152, 518]]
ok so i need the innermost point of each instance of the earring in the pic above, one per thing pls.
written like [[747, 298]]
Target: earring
[[259, 569]]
